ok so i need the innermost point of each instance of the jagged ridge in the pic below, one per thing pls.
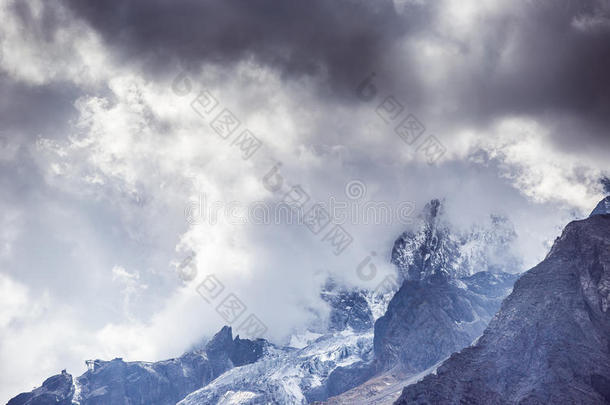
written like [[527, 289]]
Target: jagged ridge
[[161, 383]]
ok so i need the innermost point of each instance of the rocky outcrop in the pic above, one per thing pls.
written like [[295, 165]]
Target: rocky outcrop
[[348, 308], [337, 358], [429, 250], [453, 284], [342, 379], [56, 390], [602, 208], [165, 382], [549, 343], [224, 352], [426, 321]]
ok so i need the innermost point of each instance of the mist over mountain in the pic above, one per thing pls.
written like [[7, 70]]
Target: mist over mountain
[[435, 248], [451, 287]]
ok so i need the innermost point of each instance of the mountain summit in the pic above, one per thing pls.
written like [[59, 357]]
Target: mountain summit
[[602, 208], [434, 249]]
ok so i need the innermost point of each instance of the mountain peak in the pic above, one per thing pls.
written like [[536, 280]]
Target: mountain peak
[[603, 208], [432, 208], [434, 247]]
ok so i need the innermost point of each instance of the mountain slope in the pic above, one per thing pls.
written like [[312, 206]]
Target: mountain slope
[[549, 343], [432, 259]]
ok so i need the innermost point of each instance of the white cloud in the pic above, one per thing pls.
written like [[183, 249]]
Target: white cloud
[[537, 169], [74, 53], [26, 358]]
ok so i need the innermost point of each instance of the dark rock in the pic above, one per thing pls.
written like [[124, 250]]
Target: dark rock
[[246, 351], [56, 390], [219, 350], [341, 379], [602, 208], [429, 251], [165, 382], [226, 352]]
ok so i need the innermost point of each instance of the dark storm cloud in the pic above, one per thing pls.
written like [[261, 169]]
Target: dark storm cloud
[[27, 109], [547, 59], [557, 68], [344, 39], [556, 71], [544, 59]]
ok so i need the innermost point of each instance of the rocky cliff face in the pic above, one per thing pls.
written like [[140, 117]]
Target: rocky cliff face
[[427, 320], [166, 382], [549, 343], [428, 251], [453, 286]]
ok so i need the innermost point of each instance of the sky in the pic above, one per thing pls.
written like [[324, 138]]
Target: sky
[[147, 149]]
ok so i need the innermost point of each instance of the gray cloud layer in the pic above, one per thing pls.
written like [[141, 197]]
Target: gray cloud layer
[[341, 39], [543, 59], [547, 59]]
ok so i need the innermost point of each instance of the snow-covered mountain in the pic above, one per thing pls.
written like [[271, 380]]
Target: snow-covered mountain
[[319, 364], [453, 283], [294, 376], [436, 248]]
